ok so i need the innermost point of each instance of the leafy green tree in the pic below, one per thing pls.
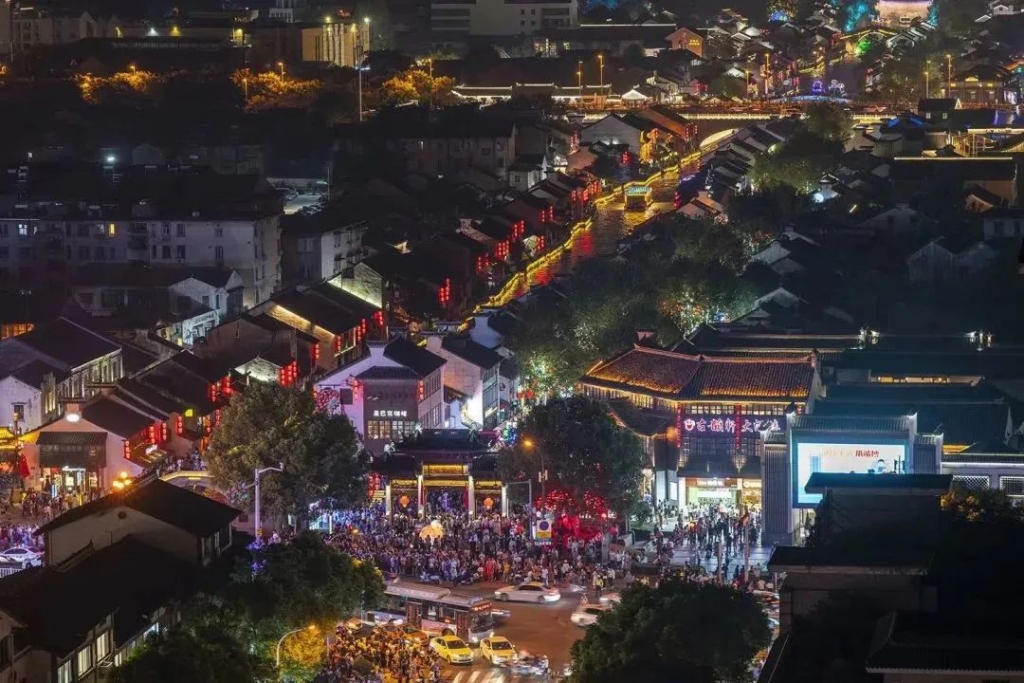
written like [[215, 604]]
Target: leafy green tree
[[581, 446], [198, 656], [679, 631], [725, 85], [984, 506], [799, 163], [828, 121], [268, 425], [707, 241], [304, 582]]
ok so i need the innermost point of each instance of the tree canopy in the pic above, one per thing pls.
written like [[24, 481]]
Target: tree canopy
[[679, 631], [799, 162], [582, 448], [417, 85], [828, 121], [269, 425]]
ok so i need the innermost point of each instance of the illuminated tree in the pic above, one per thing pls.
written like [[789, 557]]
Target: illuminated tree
[[303, 653], [417, 85], [828, 121], [799, 162], [131, 83], [272, 90]]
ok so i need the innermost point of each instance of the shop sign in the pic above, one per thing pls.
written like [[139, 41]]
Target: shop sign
[[728, 425], [542, 531]]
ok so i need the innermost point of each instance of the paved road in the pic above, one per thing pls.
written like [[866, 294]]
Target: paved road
[[537, 629]]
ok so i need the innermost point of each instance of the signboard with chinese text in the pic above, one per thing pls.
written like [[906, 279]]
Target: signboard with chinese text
[[838, 458], [727, 424]]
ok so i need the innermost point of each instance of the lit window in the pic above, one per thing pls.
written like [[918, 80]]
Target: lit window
[[102, 646], [111, 229], [64, 672], [83, 661]]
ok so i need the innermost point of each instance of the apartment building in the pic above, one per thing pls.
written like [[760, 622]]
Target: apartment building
[[55, 219], [502, 17]]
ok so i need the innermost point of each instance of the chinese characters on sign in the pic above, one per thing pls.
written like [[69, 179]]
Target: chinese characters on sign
[[728, 425], [390, 413]]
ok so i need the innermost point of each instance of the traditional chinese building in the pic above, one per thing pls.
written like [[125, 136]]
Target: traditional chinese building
[[703, 419]]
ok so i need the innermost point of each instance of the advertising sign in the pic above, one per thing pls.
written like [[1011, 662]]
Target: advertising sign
[[839, 458], [542, 531]]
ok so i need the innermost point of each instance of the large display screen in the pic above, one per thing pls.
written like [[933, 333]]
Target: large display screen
[[838, 458]]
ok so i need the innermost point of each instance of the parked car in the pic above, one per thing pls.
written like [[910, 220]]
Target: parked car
[[24, 555], [531, 591]]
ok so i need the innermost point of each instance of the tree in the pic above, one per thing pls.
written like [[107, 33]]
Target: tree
[[799, 162], [274, 90], [582, 448], [984, 506], [958, 17], [725, 85], [267, 425], [417, 85], [289, 585], [679, 631], [828, 121], [198, 656]]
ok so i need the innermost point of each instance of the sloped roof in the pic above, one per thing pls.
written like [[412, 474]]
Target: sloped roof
[[116, 418], [414, 357], [678, 375], [464, 347], [179, 507], [68, 342]]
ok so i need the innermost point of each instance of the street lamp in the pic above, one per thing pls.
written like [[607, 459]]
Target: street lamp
[[361, 51], [280, 65], [542, 475], [256, 486], [600, 64], [277, 656], [579, 78], [949, 75]]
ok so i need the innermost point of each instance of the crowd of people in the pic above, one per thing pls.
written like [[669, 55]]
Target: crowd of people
[[381, 656]]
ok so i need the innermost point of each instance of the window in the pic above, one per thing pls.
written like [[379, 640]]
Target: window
[[102, 646], [337, 239], [165, 229], [18, 410], [83, 230], [3, 230], [206, 300], [181, 229], [218, 255], [83, 661], [83, 253], [218, 232], [154, 251], [386, 430], [216, 299], [165, 251], [111, 229], [101, 253], [22, 229], [64, 672], [179, 251]]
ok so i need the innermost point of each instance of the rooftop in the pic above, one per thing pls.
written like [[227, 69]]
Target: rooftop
[[464, 347], [191, 512], [416, 358], [68, 343], [677, 375]]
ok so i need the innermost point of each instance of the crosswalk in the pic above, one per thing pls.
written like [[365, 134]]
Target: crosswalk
[[492, 676]]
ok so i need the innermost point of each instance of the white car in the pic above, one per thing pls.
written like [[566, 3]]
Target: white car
[[610, 598], [24, 555], [586, 615], [497, 650], [532, 591]]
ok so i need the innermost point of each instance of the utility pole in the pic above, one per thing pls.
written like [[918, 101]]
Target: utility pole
[[361, 49]]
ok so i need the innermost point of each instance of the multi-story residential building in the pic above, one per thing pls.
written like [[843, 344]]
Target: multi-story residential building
[[53, 364], [473, 371], [336, 39], [388, 394], [502, 17], [321, 245], [56, 218], [451, 144], [31, 26]]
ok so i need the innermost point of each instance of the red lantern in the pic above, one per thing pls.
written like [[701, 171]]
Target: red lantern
[[127, 450], [151, 434], [225, 386], [179, 425], [419, 390], [337, 344], [164, 435]]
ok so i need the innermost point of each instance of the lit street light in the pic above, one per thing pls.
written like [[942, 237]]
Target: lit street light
[[280, 65], [256, 492], [277, 656]]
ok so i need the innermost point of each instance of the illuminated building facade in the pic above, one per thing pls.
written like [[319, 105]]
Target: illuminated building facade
[[903, 12]]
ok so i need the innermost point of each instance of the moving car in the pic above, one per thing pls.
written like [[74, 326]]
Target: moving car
[[497, 650], [536, 665], [24, 555], [452, 649], [531, 591], [586, 615], [405, 633], [610, 598]]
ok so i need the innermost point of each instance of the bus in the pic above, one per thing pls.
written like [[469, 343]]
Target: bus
[[436, 610], [638, 197]]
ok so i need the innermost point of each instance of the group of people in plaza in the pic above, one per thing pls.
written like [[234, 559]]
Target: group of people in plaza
[[382, 656]]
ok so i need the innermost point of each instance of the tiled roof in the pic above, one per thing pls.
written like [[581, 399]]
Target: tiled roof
[[639, 420], [679, 376], [68, 342], [414, 357], [34, 372], [387, 372], [116, 418], [125, 580], [179, 507], [904, 643], [826, 423], [465, 348]]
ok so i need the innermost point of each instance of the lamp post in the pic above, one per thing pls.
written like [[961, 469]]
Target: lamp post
[[256, 485], [579, 78], [949, 76], [277, 654], [600, 64], [361, 54], [280, 65], [542, 475]]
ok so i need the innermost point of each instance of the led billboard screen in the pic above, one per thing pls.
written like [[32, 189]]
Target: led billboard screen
[[838, 458]]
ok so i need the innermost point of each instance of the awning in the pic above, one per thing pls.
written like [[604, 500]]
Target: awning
[[72, 439]]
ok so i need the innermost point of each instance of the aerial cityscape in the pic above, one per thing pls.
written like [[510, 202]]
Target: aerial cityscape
[[511, 341]]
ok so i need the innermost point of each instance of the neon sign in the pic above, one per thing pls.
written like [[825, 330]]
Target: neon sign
[[728, 425]]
